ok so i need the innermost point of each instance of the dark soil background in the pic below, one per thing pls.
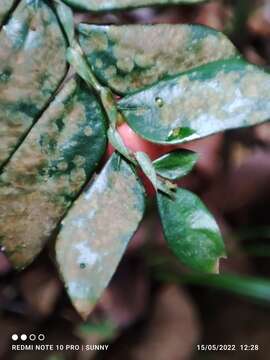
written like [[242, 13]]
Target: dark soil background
[[140, 316]]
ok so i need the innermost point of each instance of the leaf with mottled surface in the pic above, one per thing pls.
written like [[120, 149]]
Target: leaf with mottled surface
[[212, 98], [102, 5], [65, 15], [130, 57], [32, 65], [5, 7], [96, 231], [48, 170], [176, 164], [191, 231]]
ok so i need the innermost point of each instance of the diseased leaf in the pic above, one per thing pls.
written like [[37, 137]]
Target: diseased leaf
[[32, 64], [101, 5], [215, 97], [131, 57], [191, 231], [176, 164], [48, 170], [96, 232], [5, 7], [65, 16]]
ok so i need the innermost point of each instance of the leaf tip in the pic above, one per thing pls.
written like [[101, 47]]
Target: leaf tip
[[83, 307]]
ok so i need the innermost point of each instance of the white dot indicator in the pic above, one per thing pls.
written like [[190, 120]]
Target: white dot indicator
[[32, 337], [23, 337], [14, 337], [41, 337]]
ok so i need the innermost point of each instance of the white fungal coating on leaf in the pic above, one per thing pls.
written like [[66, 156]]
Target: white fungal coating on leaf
[[221, 102], [212, 98], [191, 231], [131, 57], [32, 64], [5, 7], [96, 231], [48, 170], [85, 254], [100, 5]]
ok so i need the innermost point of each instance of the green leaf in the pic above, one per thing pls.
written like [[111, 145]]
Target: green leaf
[[176, 164], [147, 167], [131, 57], [96, 231], [5, 7], [48, 170], [191, 231], [101, 5], [32, 65], [215, 97]]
